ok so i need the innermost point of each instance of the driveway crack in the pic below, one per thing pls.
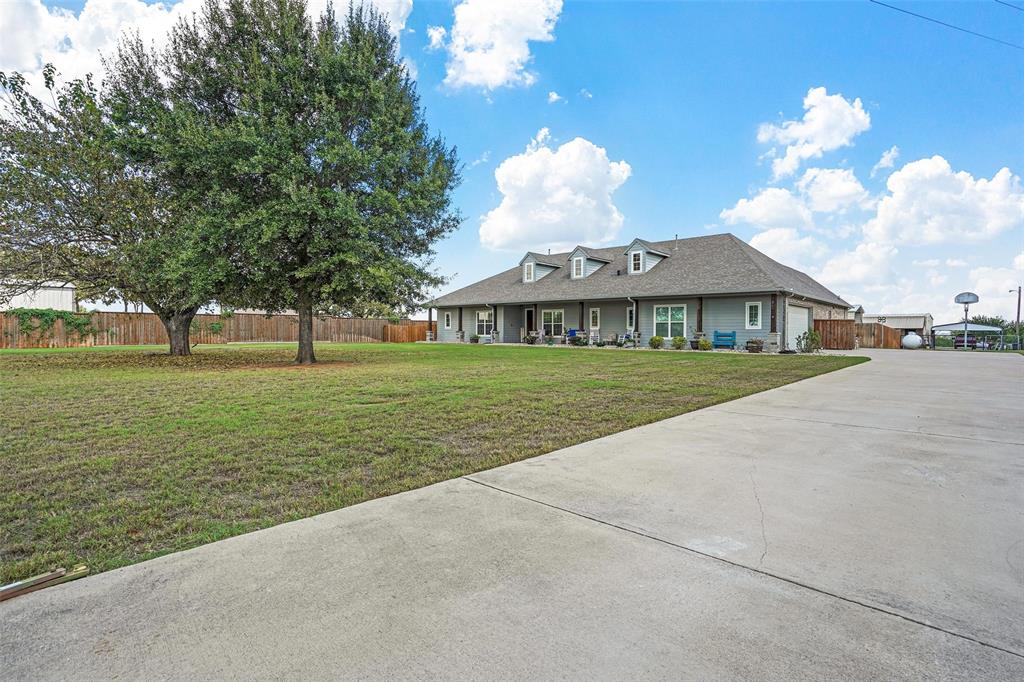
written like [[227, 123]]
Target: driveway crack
[[764, 534]]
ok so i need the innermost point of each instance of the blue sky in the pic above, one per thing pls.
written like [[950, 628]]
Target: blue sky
[[655, 130]]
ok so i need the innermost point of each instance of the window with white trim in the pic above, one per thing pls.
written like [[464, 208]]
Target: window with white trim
[[447, 320], [553, 322], [595, 318], [527, 272], [577, 267], [636, 262], [484, 322], [630, 319], [669, 320], [753, 316]]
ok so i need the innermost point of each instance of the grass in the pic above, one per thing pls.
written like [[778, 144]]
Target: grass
[[112, 456]]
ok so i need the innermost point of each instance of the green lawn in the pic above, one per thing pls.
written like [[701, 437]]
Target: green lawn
[[111, 456]]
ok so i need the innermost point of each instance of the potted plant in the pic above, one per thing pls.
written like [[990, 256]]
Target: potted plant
[[755, 345], [679, 342], [475, 338], [695, 341]]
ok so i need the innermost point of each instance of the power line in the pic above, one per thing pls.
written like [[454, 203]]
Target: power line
[[942, 23], [1010, 4]]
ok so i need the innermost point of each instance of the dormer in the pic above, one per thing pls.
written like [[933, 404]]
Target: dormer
[[582, 262], [641, 257], [536, 266]]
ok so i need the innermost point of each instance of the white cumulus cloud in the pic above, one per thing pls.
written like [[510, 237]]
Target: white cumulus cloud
[[771, 208], [888, 160], [785, 245], [867, 263], [831, 189], [489, 45], [929, 203], [829, 122], [554, 97], [436, 36], [555, 197], [34, 35]]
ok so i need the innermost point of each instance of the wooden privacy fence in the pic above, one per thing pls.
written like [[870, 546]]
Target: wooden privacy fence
[[409, 331], [847, 335], [131, 329], [875, 335]]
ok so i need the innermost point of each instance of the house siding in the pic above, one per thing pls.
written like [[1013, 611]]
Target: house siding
[[730, 315], [468, 323], [646, 315]]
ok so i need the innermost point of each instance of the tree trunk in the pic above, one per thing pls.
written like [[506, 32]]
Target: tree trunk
[[305, 309], [177, 325]]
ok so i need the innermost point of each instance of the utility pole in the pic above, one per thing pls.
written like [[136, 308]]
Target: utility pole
[[1017, 329]]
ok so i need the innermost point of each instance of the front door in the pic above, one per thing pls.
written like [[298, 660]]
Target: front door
[[530, 325]]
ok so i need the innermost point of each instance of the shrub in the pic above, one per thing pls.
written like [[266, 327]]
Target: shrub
[[578, 341], [656, 342], [529, 339], [679, 342], [704, 344], [809, 342]]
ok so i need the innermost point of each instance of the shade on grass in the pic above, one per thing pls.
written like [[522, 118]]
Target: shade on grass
[[111, 456]]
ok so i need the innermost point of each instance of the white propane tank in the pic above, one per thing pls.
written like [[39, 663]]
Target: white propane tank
[[912, 341]]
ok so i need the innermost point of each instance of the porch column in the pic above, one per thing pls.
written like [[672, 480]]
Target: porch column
[[775, 313], [431, 336], [460, 334], [583, 324], [636, 315], [700, 315]]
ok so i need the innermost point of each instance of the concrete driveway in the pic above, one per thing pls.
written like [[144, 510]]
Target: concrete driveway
[[864, 524]]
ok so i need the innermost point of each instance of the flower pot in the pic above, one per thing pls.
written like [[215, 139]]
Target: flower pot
[[694, 344], [754, 347]]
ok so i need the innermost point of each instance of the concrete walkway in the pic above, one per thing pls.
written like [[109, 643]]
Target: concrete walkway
[[864, 524]]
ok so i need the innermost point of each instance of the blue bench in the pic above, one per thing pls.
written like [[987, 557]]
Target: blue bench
[[724, 340]]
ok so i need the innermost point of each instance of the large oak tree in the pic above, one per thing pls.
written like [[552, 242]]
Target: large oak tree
[[309, 143]]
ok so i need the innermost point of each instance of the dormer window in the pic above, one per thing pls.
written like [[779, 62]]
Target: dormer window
[[636, 262], [577, 267], [527, 272]]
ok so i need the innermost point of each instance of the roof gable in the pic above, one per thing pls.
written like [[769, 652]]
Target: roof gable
[[553, 261], [589, 254]]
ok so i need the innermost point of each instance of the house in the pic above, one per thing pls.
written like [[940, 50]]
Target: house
[[680, 287], [53, 295], [920, 323]]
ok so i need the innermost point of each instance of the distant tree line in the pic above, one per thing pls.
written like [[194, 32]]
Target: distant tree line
[[259, 160]]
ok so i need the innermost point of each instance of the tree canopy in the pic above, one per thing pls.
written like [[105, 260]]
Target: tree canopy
[[77, 207], [260, 159], [309, 144]]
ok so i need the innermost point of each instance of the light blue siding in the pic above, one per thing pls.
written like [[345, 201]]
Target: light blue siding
[[651, 259], [729, 315], [468, 323], [646, 316], [613, 317]]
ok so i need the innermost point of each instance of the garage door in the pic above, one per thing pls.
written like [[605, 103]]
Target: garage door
[[796, 324]]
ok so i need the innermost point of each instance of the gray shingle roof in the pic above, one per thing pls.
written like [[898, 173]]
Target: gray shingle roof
[[592, 254], [554, 260], [696, 266]]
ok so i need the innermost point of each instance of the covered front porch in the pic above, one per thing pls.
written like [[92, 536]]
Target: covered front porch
[[757, 316]]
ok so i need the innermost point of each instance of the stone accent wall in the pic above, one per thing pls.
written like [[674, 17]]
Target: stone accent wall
[[826, 311]]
